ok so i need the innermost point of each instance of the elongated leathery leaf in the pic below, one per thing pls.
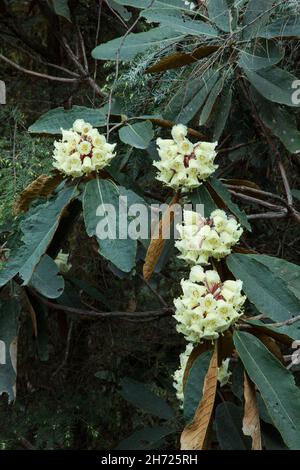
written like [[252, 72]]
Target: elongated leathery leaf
[[276, 385]]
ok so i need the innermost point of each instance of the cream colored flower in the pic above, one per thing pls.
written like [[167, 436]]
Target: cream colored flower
[[82, 150], [223, 373], [201, 239], [184, 165], [207, 306]]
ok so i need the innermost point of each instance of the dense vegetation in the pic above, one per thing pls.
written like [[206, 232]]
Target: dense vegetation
[[92, 322]]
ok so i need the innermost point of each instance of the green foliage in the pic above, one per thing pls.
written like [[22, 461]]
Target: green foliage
[[194, 386], [276, 385], [46, 279], [266, 290], [137, 135]]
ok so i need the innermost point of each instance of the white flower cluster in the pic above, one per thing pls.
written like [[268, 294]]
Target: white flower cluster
[[190, 5], [61, 262], [223, 373], [81, 150], [207, 307], [179, 373], [204, 238], [184, 165]]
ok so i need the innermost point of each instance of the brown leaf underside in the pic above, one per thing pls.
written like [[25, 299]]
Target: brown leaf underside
[[195, 436], [41, 187], [157, 244], [251, 422]]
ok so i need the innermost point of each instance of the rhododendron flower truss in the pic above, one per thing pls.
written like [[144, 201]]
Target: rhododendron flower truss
[[204, 238], [82, 150], [207, 306], [184, 165]]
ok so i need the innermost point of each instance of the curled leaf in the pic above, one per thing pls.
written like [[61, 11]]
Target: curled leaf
[[41, 187], [251, 422], [157, 244], [195, 436]]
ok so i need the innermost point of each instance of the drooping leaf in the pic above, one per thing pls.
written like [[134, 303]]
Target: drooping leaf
[[251, 420], [225, 195], [222, 114], [173, 19], [256, 16], [61, 8], [274, 84], [190, 98], [276, 385], [9, 326], [282, 123], [59, 118], [144, 439], [202, 196], [219, 14], [102, 205], [43, 186], [136, 43], [260, 56], [195, 435], [142, 397], [288, 26], [37, 229], [46, 278], [158, 241], [179, 59], [266, 291], [288, 272], [208, 107], [137, 135], [229, 421], [120, 9], [193, 390]]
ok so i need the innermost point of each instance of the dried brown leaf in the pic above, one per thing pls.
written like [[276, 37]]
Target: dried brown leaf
[[157, 244], [251, 421], [195, 436], [41, 187], [179, 59]]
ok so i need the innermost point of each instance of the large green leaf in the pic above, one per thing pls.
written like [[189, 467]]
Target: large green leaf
[[225, 195], [136, 43], [147, 438], [267, 291], [276, 385], [274, 84], [282, 123], [117, 248], [173, 19], [137, 135], [260, 56], [190, 98], [38, 229], [61, 8], [210, 102], [288, 26], [46, 278], [288, 272], [9, 325], [229, 424], [141, 396], [59, 118], [222, 114], [193, 390], [256, 16], [120, 9], [219, 13], [201, 196]]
